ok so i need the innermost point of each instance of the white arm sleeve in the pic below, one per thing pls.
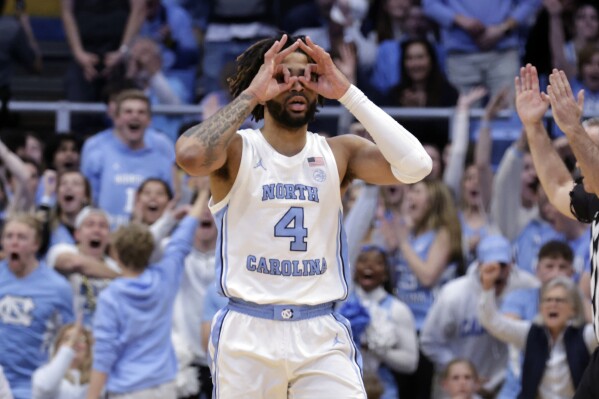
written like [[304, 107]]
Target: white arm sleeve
[[454, 169], [510, 331], [46, 380], [409, 161]]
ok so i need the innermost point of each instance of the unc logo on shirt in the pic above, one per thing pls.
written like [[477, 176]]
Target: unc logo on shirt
[[16, 310], [319, 175], [287, 314]]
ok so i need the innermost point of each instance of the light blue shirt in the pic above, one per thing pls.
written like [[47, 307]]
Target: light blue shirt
[[32, 310], [133, 321], [489, 13], [115, 172], [409, 290]]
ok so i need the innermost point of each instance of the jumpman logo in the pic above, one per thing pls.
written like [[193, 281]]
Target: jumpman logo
[[336, 340], [259, 164]]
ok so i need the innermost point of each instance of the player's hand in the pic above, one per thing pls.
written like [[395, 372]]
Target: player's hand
[[566, 110], [489, 274], [272, 78], [323, 76], [531, 104]]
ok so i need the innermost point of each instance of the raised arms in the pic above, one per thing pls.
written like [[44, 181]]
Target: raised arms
[[203, 148], [531, 105]]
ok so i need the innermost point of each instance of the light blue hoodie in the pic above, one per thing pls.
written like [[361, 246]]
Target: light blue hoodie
[[132, 327]]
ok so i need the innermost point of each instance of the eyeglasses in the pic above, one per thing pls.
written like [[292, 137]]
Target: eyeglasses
[[555, 299]]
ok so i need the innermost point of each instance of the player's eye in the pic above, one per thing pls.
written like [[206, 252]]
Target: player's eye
[[280, 78], [314, 77]]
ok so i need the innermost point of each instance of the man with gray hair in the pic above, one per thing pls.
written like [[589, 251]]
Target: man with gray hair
[[452, 328]]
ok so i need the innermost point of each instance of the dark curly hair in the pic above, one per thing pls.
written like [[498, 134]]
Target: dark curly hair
[[249, 63]]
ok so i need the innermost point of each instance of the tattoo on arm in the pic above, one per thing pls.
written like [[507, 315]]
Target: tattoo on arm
[[219, 129]]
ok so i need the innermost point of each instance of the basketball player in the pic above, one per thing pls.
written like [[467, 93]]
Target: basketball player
[[575, 199], [281, 251]]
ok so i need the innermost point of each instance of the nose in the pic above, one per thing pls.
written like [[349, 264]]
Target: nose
[[297, 86]]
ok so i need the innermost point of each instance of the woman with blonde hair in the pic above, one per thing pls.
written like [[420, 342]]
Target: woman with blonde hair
[[426, 248], [556, 345], [67, 374]]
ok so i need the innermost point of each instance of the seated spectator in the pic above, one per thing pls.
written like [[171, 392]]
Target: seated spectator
[[171, 26], [481, 42], [133, 353], [398, 21], [34, 302], [66, 375], [86, 265], [453, 330], [537, 48], [460, 380], [144, 67], [557, 345], [585, 33], [389, 342], [422, 84]]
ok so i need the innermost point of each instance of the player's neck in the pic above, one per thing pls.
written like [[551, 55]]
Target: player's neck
[[284, 140]]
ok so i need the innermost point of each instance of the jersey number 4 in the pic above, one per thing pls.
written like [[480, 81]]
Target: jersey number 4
[[292, 225]]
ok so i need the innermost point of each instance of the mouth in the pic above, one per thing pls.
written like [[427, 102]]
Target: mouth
[[553, 315], [153, 207], [69, 165], [14, 257], [206, 224], [95, 243], [134, 126], [534, 185], [297, 103]]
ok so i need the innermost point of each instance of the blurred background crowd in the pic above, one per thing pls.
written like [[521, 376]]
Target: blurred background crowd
[[421, 304]]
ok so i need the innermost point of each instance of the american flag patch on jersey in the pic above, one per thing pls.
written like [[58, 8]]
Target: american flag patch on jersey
[[315, 161]]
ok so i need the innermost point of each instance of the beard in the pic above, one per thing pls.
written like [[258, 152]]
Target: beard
[[288, 119]]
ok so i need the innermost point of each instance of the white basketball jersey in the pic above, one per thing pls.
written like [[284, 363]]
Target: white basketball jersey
[[281, 237]]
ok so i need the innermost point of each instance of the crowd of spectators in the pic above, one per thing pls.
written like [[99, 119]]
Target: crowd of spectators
[[456, 278]]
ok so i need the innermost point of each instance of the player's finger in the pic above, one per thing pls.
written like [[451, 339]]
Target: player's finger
[[517, 85], [280, 56], [565, 84], [534, 79], [554, 79], [580, 99]]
